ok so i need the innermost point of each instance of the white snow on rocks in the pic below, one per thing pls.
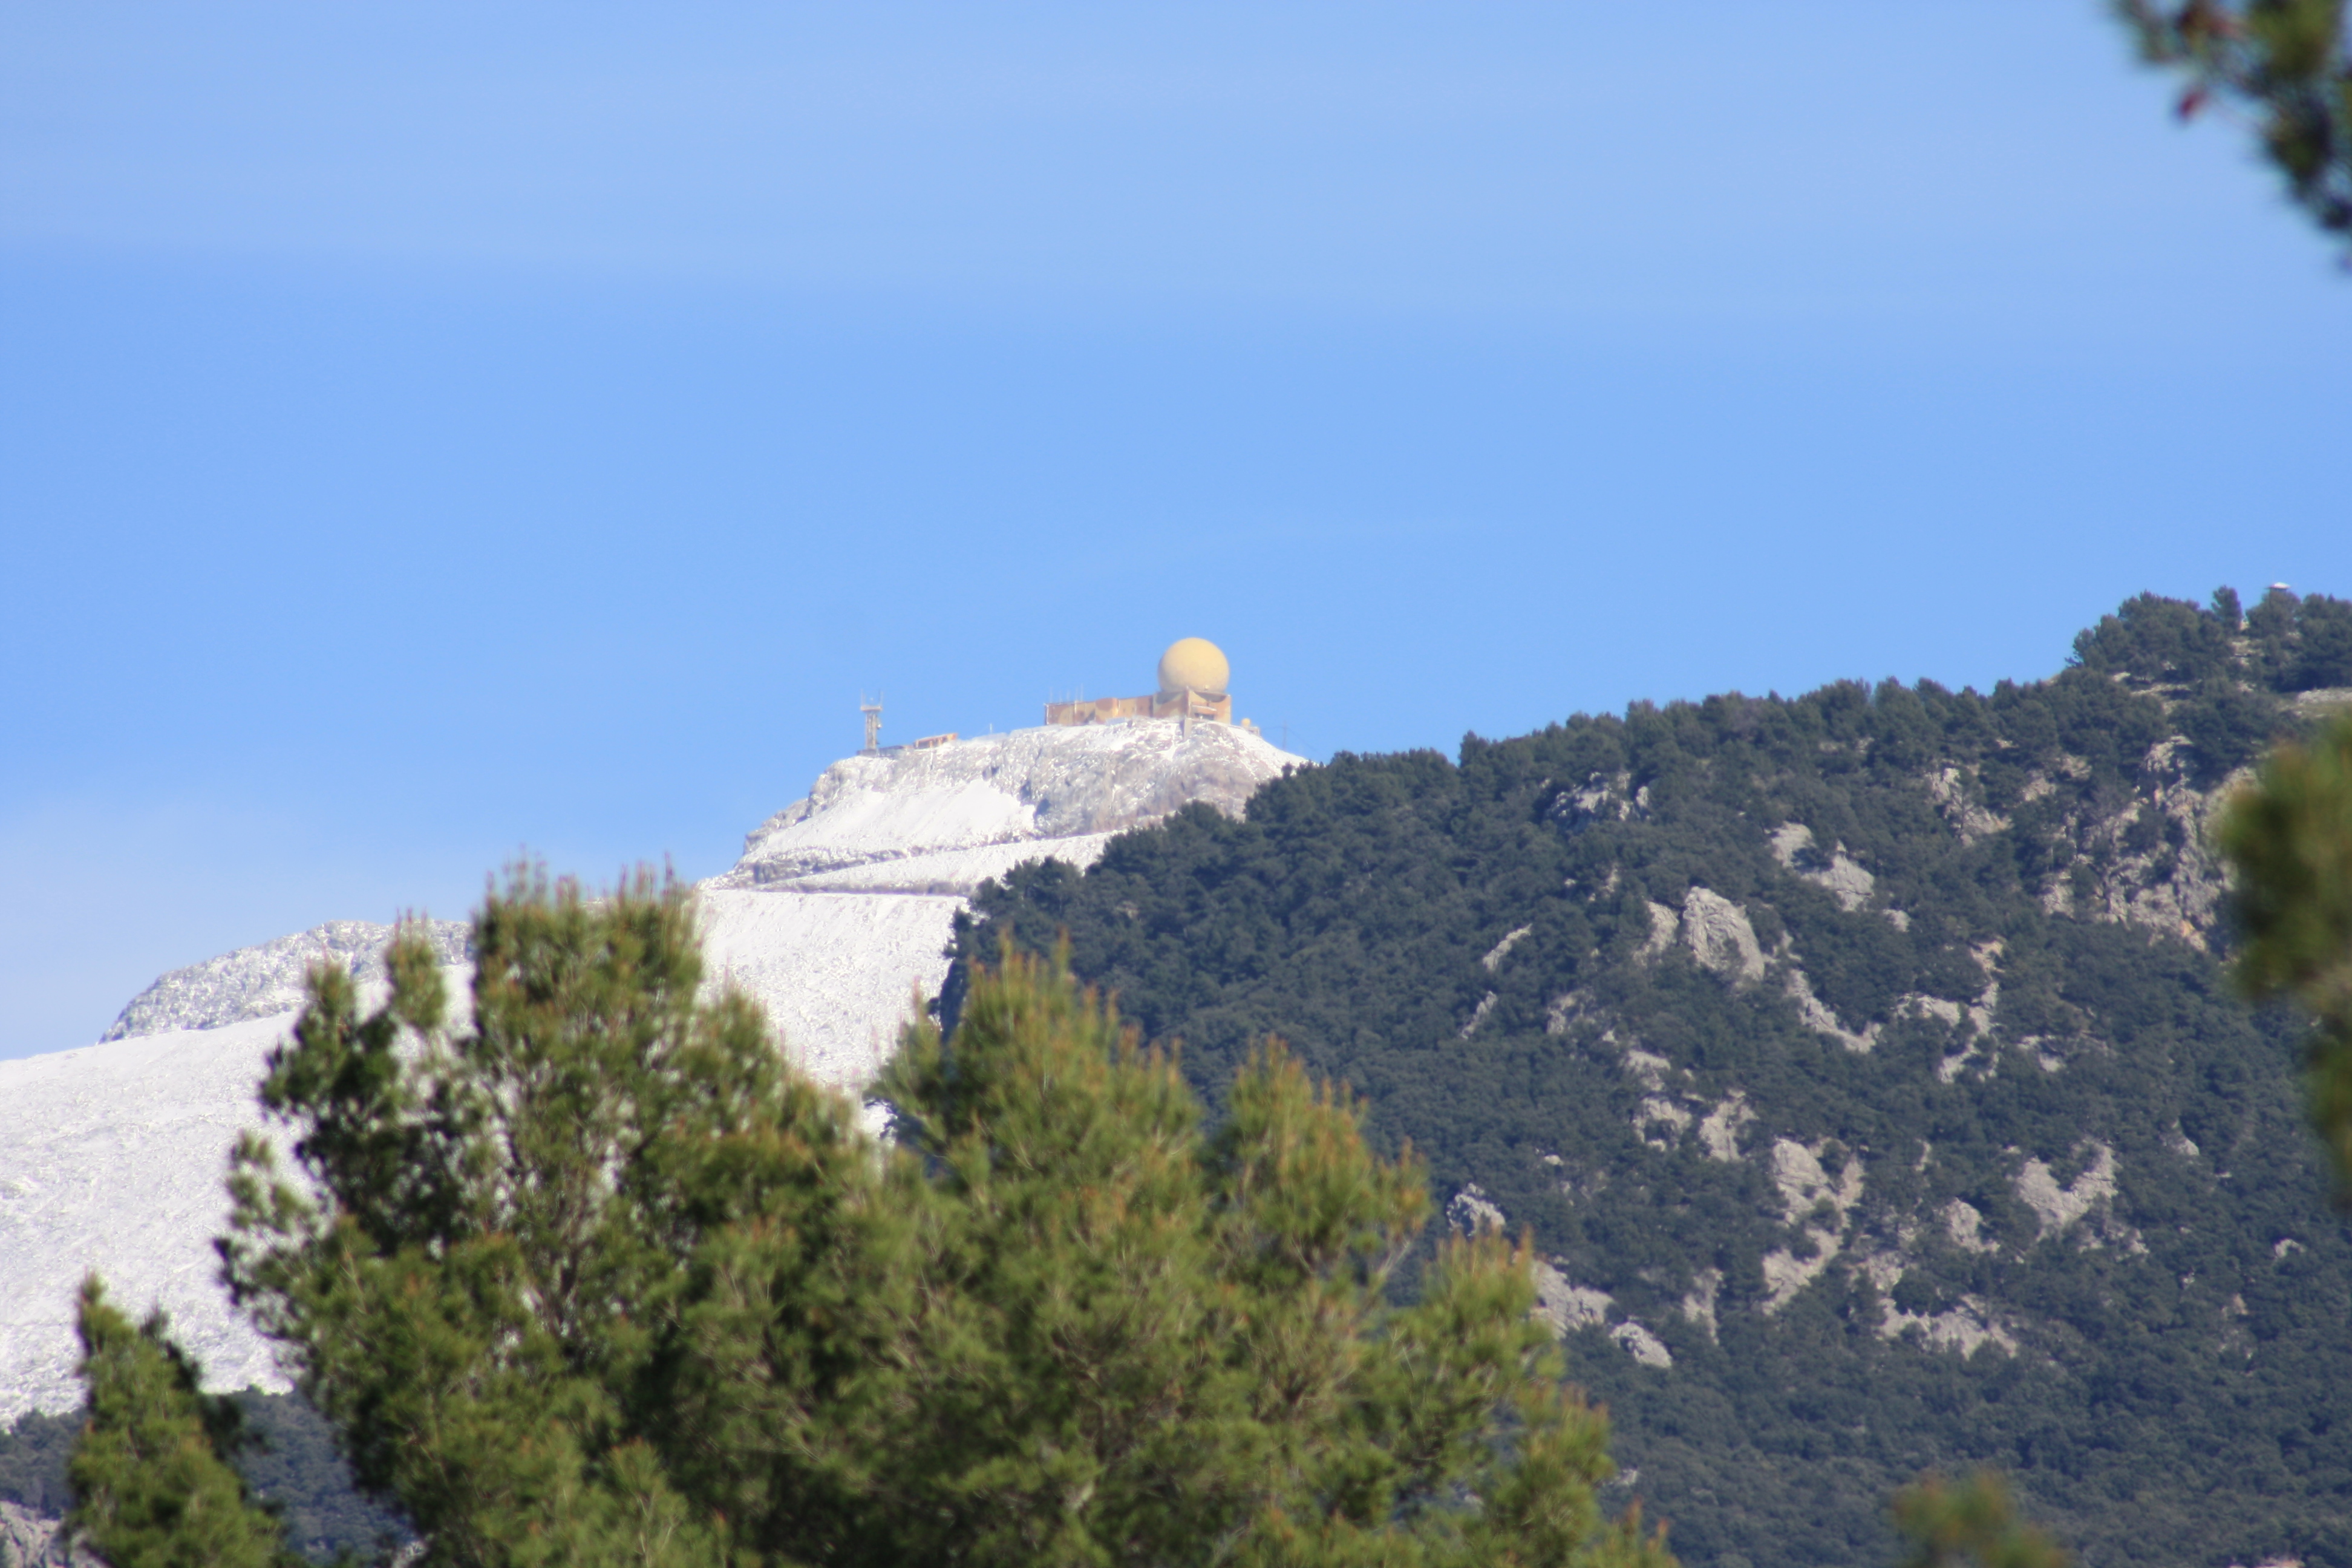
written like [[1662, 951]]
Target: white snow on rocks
[[839, 914], [263, 981], [867, 812], [112, 1161], [843, 905], [836, 973]]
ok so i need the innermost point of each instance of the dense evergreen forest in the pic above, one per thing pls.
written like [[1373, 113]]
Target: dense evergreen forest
[[1863, 1063]]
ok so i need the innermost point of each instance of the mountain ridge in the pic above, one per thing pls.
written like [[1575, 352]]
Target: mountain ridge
[[1861, 1064], [267, 978]]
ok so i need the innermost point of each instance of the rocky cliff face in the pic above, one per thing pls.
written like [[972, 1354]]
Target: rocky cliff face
[[838, 915]]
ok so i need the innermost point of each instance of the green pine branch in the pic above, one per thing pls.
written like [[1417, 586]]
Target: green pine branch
[[2281, 63]]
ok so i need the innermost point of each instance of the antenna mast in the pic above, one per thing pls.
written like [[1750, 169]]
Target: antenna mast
[[873, 711]]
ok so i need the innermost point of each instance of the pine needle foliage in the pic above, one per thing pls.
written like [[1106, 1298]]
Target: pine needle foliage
[[2282, 64], [1178, 1346], [153, 1475], [2289, 838], [1969, 1524], [594, 1277]]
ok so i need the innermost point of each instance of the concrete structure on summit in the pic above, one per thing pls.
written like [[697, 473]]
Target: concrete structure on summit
[[1194, 675]]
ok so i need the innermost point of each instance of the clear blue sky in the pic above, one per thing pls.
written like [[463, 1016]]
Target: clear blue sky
[[434, 430]]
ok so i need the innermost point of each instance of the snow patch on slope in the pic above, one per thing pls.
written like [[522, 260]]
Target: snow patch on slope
[[115, 1156], [837, 973], [841, 908]]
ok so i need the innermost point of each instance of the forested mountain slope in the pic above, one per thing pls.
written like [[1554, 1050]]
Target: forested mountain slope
[[1863, 1063]]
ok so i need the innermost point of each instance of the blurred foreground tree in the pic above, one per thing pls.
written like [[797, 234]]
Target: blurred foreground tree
[[2289, 838], [2282, 62], [597, 1277], [1969, 1524]]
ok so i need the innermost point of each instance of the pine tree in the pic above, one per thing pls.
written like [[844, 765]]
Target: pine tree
[[153, 1476], [596, 1278], [1180, 1347], [1969, 1524], [497, 1222]]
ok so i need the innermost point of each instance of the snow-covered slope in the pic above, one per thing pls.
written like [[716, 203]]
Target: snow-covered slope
[[843, 903], [112, 1161], [839, 912]]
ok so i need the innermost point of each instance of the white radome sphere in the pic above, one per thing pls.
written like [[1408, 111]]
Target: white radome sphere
[[1195, 663]]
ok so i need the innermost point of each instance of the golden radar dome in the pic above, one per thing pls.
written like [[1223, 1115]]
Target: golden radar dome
[[1195, 663]]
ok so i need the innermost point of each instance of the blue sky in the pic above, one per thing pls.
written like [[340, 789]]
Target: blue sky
[[433, 432]]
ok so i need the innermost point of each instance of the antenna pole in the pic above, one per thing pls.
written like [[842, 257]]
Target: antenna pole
[[873, 712]]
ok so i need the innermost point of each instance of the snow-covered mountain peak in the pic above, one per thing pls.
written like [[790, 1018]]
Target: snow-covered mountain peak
[[840, 911], [1027, 784], [266, 979]]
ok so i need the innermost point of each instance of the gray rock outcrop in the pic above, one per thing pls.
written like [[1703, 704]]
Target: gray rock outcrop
[[28, 1539]]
